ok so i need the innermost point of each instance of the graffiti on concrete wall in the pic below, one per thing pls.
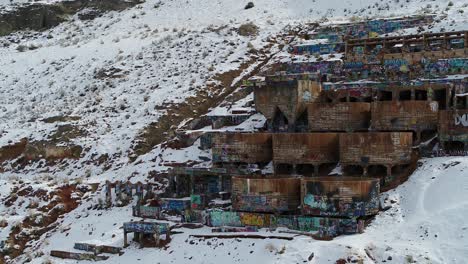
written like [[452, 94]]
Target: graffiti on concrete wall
[[146, 227], [349, 199], [176, 205], [321, 226], [322, 48], [152, 212], [461, 120]]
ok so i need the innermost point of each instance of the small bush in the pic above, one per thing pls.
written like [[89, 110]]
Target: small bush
[[249, 29]]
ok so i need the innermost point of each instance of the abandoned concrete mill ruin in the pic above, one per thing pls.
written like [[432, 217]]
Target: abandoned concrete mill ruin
[[338, 131]]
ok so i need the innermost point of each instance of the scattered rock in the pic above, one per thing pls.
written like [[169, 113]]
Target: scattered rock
[[249, 5]]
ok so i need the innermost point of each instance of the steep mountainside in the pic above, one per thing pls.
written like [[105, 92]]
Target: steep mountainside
[[97, 99]]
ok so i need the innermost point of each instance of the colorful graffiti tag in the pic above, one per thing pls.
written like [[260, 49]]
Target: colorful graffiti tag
[[146, 227], [176, 205], [321, 226]]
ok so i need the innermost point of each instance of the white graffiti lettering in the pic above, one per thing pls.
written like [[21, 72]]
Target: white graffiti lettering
[[461, 120]]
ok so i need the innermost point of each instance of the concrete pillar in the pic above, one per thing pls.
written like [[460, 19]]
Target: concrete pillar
[[316, 169], [395, 95], [176, 183], [418, 137], [108, 193], [125, 239], [365, 169], [389, 170], [294, 169], [220, 183], [192, 184], [413, 94]]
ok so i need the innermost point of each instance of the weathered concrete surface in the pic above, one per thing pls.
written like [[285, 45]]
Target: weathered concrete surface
[[256, 194], [381, 148], [344, 196], [289, 97], [405, 115], [339, 116], [453, 125], [242, 147], [305, 148]]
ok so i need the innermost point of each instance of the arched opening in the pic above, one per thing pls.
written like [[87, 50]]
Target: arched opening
[[302, 122], [421, 95], [416, 137], [283, 168], [440, 95], [353, 170], [405, 96], [326, 168], [306, 170], [377, 171], [280, 122], [386, 96], [428, 134]]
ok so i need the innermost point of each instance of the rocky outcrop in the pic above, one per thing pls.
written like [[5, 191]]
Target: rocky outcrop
[[45, 150], [37, 150], [13, 151], [38, 16]]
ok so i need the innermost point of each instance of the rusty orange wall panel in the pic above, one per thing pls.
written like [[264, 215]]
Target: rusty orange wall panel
[[340, 196], [290, 97], [382, 148], [453, 125], [256, 194], [305, 148], [242, 147], [345, 116], [405, 115]]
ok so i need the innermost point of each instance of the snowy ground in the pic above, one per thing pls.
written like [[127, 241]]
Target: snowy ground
[[163, 52], [425, 224]]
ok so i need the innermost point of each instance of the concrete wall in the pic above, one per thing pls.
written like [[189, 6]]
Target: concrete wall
[[404, 115], [322, 227], [305, 148], [382, 148], [242, 147], [339, 116], [253, 194], [289, 97], [342, 196], [453, 125]]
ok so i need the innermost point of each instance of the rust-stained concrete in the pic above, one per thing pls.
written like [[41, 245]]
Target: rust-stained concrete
[[380, 148], [257, 194], [288, 98], [344, 196], [242, 148], [405, 115], [324, 117], [305, 148]]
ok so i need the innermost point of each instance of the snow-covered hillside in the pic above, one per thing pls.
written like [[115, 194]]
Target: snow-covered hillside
[[110, 80], [425, 222]]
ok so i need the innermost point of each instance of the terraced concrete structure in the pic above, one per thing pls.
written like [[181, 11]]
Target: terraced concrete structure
[[339, 117], [242, 148], [261, 194], [376, 148], [304, 153], [340, 196]]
